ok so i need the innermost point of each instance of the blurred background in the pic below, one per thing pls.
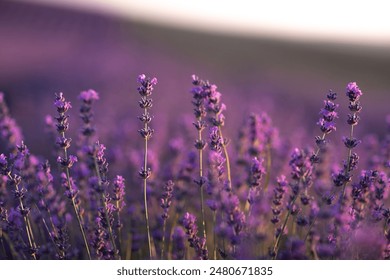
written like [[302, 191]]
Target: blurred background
[[280, 57]]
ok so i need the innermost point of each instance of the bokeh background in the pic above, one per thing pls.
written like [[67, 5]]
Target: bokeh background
[[53, 46]]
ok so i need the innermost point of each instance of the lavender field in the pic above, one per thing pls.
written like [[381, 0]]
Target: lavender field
[[121, 140]]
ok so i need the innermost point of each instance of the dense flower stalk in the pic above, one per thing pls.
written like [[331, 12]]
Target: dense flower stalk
[[198, 243], [145, 90], [235, 219], [277, 201], [101, 169], [119, 198], [353, 93], [87, 98], [66, 161], [326, 124], [199, 102], [262, 136], [256, 174], [217, 120]]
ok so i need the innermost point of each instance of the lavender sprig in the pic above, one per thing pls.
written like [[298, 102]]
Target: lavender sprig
[[101, 169], [199, 100], [145, 90], [66, 161], [199, 244], [353, 93], [326, 123], [119, 196], [256, 174]]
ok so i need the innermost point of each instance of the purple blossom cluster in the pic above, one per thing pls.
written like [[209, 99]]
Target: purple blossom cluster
[[254, 195]]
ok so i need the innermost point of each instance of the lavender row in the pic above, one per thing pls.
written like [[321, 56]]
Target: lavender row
[[201, 195]]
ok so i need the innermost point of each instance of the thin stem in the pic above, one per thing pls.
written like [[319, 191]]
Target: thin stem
[[348, 167], [75, 207], [226, 154], [145, 191], [163, 239], [201, 183], [48, 231], [76, 210]]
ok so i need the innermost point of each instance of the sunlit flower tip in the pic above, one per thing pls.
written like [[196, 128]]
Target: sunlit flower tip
[[141, 78], [353, 92], [89, 96], [195, 80], [61, 104]]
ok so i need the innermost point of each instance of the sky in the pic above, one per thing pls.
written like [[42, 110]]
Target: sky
[[345, 21]]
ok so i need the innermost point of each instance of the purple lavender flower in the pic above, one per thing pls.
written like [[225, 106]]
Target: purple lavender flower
[[353, 92], [145, 90], [189, 223], [119, 191], [166, 198], [86, 114], [257, 172], [235, 218], [277, 201], [66, 161]]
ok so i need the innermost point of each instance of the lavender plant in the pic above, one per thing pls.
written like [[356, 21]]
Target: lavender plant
[[267, 196], [66, 161], [145, 90]]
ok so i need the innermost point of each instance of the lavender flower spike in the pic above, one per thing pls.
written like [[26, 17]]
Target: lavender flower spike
[[189, 223], [353, 93], [145, 90], [66, 161]]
